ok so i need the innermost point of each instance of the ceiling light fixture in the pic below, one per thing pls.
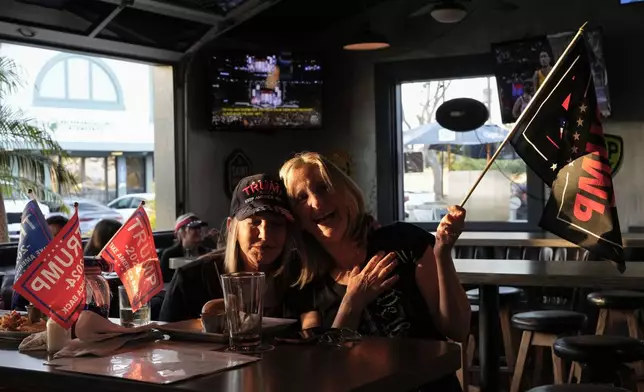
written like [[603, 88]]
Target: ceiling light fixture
[[367, 39], [449, 12]]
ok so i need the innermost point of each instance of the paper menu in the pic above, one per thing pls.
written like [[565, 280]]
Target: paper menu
[[158, 365]]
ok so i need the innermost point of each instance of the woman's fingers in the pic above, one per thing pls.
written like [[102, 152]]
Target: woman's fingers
[[389, 283], [355, 271], [387, 270], [385, 261], [373, 262]]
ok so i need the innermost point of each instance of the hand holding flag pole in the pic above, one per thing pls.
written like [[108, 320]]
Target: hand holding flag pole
[[534, 99]]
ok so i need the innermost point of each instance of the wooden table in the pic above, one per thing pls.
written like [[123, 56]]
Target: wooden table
[[490, 274], [527, 239], [375, 364]]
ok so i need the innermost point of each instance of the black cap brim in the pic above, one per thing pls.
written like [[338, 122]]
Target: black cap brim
[[195, 224], [251, 210]]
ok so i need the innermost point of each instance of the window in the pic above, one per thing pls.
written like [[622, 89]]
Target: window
[[80, 82], [440, 165], [135, 174]]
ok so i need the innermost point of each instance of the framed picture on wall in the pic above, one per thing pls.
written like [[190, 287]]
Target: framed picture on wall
[[237, 166]]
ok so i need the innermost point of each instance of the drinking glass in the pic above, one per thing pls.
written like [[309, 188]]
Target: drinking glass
[[129, 318], [244, 300]]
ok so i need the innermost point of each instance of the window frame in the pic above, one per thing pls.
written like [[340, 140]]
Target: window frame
[[388, 76], [71, 103]]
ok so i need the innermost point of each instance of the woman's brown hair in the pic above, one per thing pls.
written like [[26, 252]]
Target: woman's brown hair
[[359, 222]]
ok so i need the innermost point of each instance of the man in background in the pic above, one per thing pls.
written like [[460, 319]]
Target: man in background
[[540, 74], [56, 224], [190, 243]]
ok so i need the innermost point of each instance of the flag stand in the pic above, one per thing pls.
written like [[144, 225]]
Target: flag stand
[[511, 133]]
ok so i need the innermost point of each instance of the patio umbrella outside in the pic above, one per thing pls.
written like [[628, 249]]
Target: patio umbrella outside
[[435, 134]]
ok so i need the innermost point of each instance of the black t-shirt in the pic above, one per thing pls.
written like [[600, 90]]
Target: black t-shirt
[[401, 311], [198, 282]]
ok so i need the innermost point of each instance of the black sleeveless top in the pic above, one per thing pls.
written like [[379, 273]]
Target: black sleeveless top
[[401, 311]]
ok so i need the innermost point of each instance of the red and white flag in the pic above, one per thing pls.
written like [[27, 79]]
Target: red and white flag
[[133, 254], [55, 281]]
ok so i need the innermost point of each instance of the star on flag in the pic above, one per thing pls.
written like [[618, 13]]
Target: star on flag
[[580, 122], [576, 135], [582, 108], [553, 167]]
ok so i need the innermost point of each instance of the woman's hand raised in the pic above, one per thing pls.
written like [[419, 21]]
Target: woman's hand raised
[[367, 284], [450, 228]]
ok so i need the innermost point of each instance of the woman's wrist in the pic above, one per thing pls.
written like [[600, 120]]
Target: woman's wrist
[[348, 315], [352, 304], [442, 250]]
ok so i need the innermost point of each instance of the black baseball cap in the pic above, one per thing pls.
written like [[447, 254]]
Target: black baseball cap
[[259, 193]]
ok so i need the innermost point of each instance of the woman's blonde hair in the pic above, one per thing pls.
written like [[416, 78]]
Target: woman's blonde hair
[[358, 221], [283, 263]]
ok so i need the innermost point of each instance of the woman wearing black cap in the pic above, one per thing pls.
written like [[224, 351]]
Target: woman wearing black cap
[[260, 237]]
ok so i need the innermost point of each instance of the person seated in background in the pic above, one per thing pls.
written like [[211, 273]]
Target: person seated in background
[[260, 236], [189, 232], [394, 281], [56, 224], [102, 233]]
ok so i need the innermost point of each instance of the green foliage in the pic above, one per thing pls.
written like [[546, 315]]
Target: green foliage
[[150, 207], [27, 150]]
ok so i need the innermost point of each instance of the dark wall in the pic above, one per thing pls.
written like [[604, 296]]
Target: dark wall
[[208, 150]]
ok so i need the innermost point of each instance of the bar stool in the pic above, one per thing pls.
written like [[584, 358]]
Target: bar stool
[[577, 388], [508, 296], [605, 357], [617, 303], [541, 328], [467, 351]]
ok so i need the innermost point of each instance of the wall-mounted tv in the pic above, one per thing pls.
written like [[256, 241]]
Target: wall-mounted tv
[[522, 65], [272, 90]]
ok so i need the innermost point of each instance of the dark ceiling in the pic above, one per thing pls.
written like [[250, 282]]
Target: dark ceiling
[[302, 17], [153, 30], [165, 31]]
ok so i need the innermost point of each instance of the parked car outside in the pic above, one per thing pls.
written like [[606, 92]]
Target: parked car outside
[[90, 213], [14, 210], [126, 205]]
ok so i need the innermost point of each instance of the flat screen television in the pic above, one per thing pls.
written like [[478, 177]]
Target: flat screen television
[[271, 90], [522, 65]]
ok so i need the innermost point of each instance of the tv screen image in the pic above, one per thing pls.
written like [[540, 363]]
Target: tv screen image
[[266, 91], [521, 67]]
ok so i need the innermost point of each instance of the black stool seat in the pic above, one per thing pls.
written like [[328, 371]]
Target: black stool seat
[[550, 321], [604, 349], [507, 295], [577, 388], [617, 299]]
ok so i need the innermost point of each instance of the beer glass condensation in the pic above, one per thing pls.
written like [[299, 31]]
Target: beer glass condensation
[[244, 300]]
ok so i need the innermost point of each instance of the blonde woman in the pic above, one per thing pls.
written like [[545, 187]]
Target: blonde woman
[[260, 237], [395, 280]]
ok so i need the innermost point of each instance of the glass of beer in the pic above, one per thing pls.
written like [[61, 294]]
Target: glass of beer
[[129, 318], [244, 301]]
